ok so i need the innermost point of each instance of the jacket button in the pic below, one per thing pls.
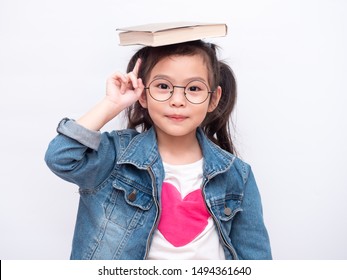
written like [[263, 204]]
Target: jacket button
[[132, 196], [227, 211]]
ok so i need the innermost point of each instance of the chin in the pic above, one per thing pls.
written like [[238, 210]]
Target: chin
[[176, 132]]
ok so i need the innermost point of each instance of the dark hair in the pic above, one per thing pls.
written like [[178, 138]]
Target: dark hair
[[216, 123]]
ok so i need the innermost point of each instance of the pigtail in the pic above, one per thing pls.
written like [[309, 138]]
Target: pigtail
[[216, 124]]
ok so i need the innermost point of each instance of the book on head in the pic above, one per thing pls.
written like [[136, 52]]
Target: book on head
[[160, 34]]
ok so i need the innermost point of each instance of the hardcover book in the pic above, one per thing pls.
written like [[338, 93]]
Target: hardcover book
[[160, 34]]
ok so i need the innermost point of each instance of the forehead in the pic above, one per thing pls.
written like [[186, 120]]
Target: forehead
[[181, 67]]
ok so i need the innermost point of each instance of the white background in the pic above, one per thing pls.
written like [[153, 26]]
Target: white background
[[290, 61]]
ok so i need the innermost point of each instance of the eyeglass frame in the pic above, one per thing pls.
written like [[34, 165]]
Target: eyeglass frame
[[184, 87]]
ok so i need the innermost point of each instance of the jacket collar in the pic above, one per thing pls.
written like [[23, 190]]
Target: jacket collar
[[142, 152], [216, 160]]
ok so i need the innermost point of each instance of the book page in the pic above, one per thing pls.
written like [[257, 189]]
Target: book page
[[162, 26]]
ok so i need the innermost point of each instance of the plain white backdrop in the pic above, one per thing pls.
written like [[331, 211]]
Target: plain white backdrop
[[290, 61]]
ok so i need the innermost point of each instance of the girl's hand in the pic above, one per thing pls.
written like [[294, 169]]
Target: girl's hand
[[124, 89]]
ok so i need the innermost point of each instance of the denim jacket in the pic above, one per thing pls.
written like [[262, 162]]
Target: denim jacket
[[120, 175]]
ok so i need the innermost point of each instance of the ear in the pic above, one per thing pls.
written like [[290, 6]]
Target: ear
[[143, 99], [215, 97]]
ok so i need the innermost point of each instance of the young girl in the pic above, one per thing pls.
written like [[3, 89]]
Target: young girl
[[175, 190]]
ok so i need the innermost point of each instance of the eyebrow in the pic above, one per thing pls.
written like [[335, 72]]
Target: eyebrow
[[194, 78]]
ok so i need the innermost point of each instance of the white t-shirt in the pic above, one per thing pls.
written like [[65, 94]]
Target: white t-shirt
[[186, 229]]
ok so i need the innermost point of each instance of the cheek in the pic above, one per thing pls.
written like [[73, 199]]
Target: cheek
[[201, 113], [153, 107]]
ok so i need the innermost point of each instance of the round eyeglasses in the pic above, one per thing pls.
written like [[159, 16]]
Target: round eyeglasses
[[195, 91]]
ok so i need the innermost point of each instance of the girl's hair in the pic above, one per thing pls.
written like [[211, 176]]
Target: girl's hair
[[216, 123]]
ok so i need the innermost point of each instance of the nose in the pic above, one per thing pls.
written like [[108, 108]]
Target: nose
[[178, 97]]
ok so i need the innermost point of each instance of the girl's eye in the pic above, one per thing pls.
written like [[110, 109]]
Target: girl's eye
[[194, 88], [163, 86], [160, 86]]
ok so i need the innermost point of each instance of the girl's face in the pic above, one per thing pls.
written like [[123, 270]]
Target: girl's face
[[177, 116]]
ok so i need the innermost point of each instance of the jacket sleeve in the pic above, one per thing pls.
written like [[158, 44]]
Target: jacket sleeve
[[81, 156], [248, 233]]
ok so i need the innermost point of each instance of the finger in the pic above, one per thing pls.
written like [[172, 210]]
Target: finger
[[124, 85], [137, 67], [140, 83], [132, 79], [140, 87], [117, 78]]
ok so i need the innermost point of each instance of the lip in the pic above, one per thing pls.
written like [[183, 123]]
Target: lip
[[175, 117]]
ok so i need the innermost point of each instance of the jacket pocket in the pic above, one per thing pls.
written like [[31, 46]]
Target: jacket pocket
[[226, 208], [129, 203]]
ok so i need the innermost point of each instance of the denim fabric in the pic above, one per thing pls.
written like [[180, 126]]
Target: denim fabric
[[120, 175]]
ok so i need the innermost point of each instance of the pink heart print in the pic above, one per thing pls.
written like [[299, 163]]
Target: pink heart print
[[182, 220]]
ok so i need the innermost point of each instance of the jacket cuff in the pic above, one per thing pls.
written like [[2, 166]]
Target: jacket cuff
[[88, 138]]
